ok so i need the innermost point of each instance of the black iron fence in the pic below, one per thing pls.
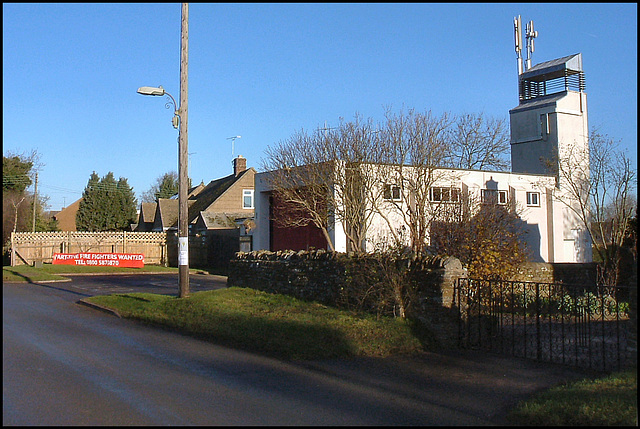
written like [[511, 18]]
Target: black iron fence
[[554, 322]]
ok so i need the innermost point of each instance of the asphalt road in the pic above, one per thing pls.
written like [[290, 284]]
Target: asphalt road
[[166, 284], [69, 364]]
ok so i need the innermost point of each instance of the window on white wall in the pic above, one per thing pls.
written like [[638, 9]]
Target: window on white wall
[[533, 199], [247, 198], [446, 195], [392, 193], [493, 196]]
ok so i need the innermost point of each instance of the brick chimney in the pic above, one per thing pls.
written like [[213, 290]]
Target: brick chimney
[[239, 165]]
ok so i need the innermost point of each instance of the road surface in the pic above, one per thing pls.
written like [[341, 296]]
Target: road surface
[[66, 364]]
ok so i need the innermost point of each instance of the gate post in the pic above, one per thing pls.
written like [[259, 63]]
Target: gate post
[[632, 335], [13, 250]]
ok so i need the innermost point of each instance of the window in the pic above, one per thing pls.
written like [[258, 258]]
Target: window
[[247, 198], [392, 193], [533, 199], [445, 195], [544, 125], [493, 196]]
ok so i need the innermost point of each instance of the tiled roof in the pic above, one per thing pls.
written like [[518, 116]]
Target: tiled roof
[[199, 199], [218, 220], [148, 212], [211, 193]]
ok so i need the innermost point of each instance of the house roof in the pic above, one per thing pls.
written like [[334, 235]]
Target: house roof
[[212, 192], [67, 216], [199, 199], [167, 210], [195, 190], [218, 220], [148, 212]]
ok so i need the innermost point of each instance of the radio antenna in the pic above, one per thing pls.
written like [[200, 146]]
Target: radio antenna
[[517, 26], [531, 34], [233, 143]]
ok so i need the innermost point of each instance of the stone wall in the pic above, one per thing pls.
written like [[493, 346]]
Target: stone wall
[[312, 276], [325, 276], [333, 278], [567, 273]]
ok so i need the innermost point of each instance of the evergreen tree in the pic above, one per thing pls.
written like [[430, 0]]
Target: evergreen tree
[[166, 186], [106, 205], [87, 210], [15, 173], [128, 203], [17, 176]]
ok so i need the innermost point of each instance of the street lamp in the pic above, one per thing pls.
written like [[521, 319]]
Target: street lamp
[[159, 91], [183, 214], [180, 119]]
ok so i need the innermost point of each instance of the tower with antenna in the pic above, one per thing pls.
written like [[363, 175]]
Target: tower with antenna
[[550, 122]]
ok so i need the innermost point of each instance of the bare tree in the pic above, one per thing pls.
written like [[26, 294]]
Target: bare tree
[[355, 147], [299, 175], [479, 143], [414, 149], [361, 172], [322, 178], [597, 184]]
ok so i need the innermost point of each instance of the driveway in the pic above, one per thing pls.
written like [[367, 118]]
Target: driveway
[[69, 364], [106, 284]]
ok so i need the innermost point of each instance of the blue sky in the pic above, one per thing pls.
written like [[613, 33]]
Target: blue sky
[[265, 71]]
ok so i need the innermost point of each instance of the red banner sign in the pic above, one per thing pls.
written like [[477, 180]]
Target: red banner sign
[[129, 260]]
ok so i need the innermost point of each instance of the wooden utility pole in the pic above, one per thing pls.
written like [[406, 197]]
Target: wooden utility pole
[[35, 201], [183, 159]]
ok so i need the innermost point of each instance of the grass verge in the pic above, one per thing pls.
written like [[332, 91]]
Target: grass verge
[[27, 273], [608, 401], [269, 324]]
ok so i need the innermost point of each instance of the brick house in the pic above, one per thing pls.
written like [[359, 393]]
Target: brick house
[[67, 216], [223, 207]]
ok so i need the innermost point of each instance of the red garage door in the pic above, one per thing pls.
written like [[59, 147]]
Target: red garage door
[[293, 238]]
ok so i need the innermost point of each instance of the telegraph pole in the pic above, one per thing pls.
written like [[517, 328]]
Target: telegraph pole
[[183, 159], [35, 201]]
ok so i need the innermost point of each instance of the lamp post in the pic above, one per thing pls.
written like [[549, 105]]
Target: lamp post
[[179, 120]]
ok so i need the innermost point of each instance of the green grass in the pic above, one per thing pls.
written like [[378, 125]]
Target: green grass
[[269, 324], [608, 401], [27, 273]]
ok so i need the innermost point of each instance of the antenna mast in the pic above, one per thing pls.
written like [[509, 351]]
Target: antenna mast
[[530, 34], [233, 142], [517, 25], [530, 47]]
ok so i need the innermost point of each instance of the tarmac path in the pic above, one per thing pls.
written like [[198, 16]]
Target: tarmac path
[[69, 364]]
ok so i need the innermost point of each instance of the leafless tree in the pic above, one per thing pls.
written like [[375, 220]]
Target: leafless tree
[[414, 147], [361, 170], [322, 178], [299, 174], [478, 142], [597, 183]]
